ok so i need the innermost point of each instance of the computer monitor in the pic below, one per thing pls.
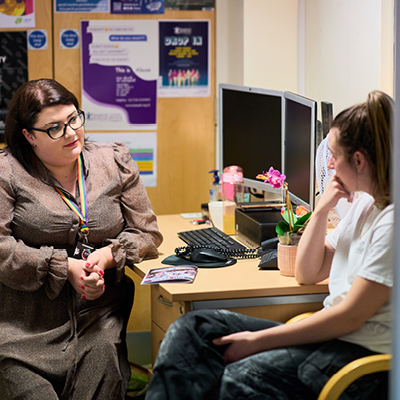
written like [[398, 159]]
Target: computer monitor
[[251, 131], [300, 148], [327, 116]]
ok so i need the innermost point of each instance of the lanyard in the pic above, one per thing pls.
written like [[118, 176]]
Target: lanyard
[[82, 214]]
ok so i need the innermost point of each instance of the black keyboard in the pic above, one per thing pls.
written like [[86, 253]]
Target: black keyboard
[[210, 237]]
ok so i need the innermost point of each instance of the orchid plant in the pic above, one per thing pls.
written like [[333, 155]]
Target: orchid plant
[[292, 222]]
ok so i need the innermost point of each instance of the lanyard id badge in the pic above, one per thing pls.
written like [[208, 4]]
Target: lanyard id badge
[[83, 248]]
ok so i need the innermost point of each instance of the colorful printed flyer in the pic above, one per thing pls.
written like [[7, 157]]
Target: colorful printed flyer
[[184, 59], [17, 14], [178, 274], [119, 74], [137, 6], [143, 148], [94, 6]]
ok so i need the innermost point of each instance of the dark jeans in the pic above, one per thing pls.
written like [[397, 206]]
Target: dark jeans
[[189, 366]]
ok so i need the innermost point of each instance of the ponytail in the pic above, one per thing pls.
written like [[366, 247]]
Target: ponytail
[[366, 127]]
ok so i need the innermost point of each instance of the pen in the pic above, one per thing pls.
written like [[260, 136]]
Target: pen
[[199, 221]]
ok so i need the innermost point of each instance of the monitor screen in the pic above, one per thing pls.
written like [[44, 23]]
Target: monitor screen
[[300, 148], [251, 123]]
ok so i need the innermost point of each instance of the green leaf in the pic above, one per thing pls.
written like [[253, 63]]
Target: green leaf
[[282, 227], [297, 227], [302, 220], [285, 216]]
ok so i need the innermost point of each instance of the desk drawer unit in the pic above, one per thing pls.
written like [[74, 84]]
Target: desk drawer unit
[[157, 335], [276, 308], [164, 312]]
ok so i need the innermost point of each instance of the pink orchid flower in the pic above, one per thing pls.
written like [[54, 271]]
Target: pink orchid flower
[[273, 177]]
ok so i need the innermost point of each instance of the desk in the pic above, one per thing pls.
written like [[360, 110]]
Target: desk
[[242, 288]]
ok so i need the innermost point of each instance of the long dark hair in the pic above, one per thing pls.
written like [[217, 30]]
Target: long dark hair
[[367, 127], [29, 100]]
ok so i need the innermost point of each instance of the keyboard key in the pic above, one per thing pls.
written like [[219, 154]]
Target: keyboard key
[[211, 237]]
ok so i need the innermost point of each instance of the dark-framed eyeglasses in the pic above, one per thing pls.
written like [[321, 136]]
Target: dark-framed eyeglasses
[[57, 131]]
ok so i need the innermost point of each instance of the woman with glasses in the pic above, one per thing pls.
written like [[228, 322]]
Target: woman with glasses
[[73, 214]]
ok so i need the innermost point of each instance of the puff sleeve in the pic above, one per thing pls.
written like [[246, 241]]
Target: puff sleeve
[[140, 237], [23, 267]]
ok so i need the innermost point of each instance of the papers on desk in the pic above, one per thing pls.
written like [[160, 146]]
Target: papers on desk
[[174, 274], [191, 215]]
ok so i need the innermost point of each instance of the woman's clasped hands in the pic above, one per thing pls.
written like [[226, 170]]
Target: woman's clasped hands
[[92, 281], [87, 276]]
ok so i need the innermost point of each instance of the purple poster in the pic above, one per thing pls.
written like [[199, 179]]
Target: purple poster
[[119, 73], [184, 58]]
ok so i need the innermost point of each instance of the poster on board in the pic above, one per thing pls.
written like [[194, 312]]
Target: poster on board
[[78, 6], [13, 69], [184, 59], [17, 14], [37, 39], [137, 6], [143, 148], [190, 4], [119, 73]]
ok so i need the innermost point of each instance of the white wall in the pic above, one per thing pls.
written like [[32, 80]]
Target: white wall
[[270, 44], [387, 56], [256, 43], [328, 50], [229, 42], [343, 50]]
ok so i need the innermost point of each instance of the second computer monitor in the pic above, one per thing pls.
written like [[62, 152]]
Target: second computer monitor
[[262, 128], [300, 143]]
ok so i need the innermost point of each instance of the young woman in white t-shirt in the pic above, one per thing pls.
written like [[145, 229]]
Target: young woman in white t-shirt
[[216, 354]]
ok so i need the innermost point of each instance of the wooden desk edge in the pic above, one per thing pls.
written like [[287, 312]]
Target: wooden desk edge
[[169, 225], [168, 295]]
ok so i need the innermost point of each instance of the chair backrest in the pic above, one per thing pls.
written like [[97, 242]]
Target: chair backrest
[[354, 370]]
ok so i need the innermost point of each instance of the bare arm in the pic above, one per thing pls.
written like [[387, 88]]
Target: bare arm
[[314, 255], [363, 300]]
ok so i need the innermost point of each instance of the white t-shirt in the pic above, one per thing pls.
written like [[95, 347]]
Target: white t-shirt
[[363, 243]]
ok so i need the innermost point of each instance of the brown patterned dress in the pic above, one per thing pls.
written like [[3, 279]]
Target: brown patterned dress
[[53, 344]]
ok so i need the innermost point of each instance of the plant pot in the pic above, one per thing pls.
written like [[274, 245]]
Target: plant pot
[[286, 259], [290, 239]]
